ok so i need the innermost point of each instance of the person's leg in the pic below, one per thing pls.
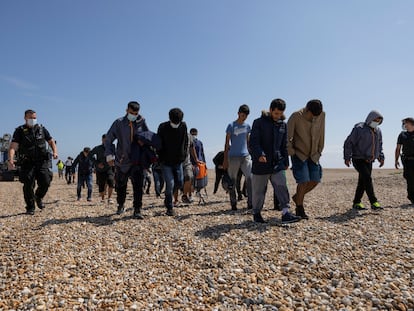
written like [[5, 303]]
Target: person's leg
[[246, 167], [167, 172], [232, 170], [101, 181], [43, 177], [219, 176], [238, 185], [409, 177], [281, 190], [121, 182], [259, 183], [157, 183], [27, 177], [89, 181], [79, 186], [137, 178], [364, 169], [110, 183]]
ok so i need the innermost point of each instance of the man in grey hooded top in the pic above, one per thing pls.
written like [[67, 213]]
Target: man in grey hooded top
[[363, 146]]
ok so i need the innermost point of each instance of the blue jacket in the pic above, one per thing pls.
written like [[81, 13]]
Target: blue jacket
[[364, 142], [268, 138]]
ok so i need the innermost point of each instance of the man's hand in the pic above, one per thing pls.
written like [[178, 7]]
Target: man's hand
[[381, 163], [348, 162], [10, 165]]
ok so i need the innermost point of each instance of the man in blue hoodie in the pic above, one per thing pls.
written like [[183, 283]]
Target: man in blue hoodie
[[363, 146], [125, 130], [268, 147]]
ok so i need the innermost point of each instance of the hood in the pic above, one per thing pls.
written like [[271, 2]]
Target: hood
[[266, 114], [372, 116]]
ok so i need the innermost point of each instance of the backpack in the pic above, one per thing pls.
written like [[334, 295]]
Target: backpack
[[201, 178]]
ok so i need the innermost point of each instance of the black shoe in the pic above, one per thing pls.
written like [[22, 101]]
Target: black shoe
[[234, 206], [258, 218], [30, 211], [300, 212], [289, 218], [170, 212], [40, 203], [137, 214], [120, 210], [240, 197]]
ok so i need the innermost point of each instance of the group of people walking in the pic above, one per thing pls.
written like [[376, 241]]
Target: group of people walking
[[262, 152]]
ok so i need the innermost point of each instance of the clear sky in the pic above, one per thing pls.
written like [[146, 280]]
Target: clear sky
[[78, 63]]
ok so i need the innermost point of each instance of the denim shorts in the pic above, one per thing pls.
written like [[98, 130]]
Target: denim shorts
[[305, 171]]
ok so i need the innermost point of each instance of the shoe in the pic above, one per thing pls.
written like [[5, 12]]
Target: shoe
[[234, 206], [376, 206], [276, 207], [359, 206], [240, 197], [170, 212], [89, 199], [185, 199], [102, 201], [300, 212], [110, 201], [30, 212], [137, 214], [289, 218], [40, 203], [258, 218], [120, 210]]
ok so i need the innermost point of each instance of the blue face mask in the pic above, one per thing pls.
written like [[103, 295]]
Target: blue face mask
[[131, 117]]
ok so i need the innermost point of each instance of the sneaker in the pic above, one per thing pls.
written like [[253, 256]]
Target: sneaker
[[120, 210], [359, 206], [137, 214], [289, 218], [185, 199], [110, 201], [40, 203], [89, 199], [258, 218], [376, 206], [30, 211], [300, 212], [170, 212]]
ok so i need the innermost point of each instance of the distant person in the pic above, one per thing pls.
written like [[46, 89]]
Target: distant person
[[147, 181], [174, 141], [306, 139], [104, 172], [31, 140], [236, 154], [268, 145], [158, 178], [362, 147], [241, 189], [84, 162], [405, 142], [124, 130], [219, 170], [68, 170], [60, 166]]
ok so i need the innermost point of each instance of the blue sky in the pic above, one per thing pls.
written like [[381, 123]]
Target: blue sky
[[78, 63]]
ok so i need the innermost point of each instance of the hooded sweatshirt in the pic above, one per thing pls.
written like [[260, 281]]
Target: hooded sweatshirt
[[268, 138], [364, 142]]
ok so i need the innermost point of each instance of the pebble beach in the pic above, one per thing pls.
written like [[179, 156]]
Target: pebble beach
[[82, 256]]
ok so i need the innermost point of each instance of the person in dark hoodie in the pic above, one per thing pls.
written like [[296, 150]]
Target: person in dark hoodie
[[268, 147], [173, 152], [405, 142], [125, 131], [85, 165], [362, 147]]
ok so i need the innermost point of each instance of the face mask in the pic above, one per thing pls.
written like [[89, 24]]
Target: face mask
[[194, 136], [31, 122], [403, 127], [374, 124], [174, 126], [131, 117]]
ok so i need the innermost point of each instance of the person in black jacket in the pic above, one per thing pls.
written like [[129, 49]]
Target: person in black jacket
[[85, 169], [268, 147], [174, 141]]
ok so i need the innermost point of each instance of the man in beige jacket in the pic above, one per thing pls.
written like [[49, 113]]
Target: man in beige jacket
[[306, 138]]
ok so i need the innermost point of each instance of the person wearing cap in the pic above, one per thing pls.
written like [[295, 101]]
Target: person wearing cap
[[306, 139], [236, 154], [124, 130], [405, 142], [85, 169], [362, 147]]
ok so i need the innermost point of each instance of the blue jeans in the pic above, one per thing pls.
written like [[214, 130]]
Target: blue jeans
[[158, 181], [174, 179], [84, 179]]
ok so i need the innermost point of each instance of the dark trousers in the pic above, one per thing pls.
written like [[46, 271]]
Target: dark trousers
[[136, 173], [364, 170], [158, 181], [31, 173], [219, 175], [409, 177]]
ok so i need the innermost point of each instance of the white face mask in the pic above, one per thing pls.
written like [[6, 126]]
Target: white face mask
[[403, 127], [374, 124], [131, 117], [174, 126], [31, 122]]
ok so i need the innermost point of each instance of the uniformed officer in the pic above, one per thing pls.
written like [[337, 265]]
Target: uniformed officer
[[30, 140]]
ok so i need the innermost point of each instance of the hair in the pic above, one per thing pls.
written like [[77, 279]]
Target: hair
[[278, 104], [103, 136], [29, 111], [194, 131], [315, 107], [133, 105], [409, 120], [176, 115], [86, 149], [244, 109]]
